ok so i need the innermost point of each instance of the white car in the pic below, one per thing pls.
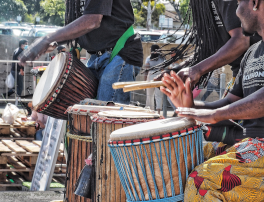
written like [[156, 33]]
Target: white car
[[149, 35], [40, 32]]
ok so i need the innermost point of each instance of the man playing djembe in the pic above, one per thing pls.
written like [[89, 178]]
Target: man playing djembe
[[235, 173]]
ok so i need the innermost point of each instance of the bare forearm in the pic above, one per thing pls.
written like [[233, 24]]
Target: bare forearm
[[77, 28], [234, 48], [251, 107], [210, 105]]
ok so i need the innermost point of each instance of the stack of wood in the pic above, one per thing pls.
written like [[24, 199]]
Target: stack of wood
[[18, 159]]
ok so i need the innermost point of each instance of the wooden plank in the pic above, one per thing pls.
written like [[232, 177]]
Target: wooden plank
[[29, 146], [15, 163], [17, 138], [18, 154], [10, 185], [3, 160], [13, 146], [16, 170], [4, 149], [36, 142], [14, 133], [4, 129]]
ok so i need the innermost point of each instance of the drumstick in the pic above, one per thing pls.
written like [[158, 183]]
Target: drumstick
[[118, 85], [141, 86]]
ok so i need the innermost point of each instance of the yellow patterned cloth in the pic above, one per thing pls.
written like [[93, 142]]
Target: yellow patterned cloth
[[230, 85], [234, 174]]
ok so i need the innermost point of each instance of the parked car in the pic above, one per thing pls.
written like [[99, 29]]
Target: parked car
[[6, 31], [17, 31], [172, 37], [39, 32], [10, 24], [149, 35]]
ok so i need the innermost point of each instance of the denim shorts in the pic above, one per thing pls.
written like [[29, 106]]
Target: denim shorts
[[108, 73]]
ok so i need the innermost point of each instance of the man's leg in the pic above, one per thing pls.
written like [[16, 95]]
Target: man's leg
[[20, 84], [115, 71], [39, 135]]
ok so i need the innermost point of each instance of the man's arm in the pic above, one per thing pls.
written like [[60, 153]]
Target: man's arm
[[181, 95], [235, 47], [77, 28], [250, 107]]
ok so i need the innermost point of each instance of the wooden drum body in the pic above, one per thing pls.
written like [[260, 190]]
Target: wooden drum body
[[154, 159], [79, 148], [65, 82], [108, 185]]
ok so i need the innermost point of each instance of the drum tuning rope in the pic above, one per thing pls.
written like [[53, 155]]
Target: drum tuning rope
[[81, 138]]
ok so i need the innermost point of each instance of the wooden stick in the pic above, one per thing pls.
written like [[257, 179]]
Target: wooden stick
[[118, 85], [143, 86]]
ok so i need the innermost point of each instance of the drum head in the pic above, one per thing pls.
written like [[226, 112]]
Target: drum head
[[152, 128], [49, 79], [125, 114], [86, 109]]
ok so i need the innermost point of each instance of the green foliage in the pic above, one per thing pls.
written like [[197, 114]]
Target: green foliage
[[54, 10], [10, 9], [141, 16], [33, 6], [184, 4], [28, 18]]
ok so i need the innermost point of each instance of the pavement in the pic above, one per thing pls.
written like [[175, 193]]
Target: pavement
[[25, 196]]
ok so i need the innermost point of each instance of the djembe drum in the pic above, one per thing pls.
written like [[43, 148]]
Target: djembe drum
[[108, 186], [154, 159], [80, 140], [65, 82]]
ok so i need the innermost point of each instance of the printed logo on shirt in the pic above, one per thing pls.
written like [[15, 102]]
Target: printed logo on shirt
[[217, 19], [254, 72]]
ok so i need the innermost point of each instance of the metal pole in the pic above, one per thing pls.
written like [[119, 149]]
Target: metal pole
[[222, 84], [24, 80], [164, 105], [6, 77], [16, 83]]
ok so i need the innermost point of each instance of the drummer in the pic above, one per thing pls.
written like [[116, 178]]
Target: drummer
[[105, 25], [236, 174], [231, 42]]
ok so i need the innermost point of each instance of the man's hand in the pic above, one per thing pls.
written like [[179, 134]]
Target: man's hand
[[190, 72], [179, 94], [41, 124], [21, 72], [35, 50], [203, 115]]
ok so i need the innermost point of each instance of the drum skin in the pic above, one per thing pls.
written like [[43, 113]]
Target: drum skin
[[76, 83]]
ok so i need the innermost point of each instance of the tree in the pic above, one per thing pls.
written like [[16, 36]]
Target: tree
[[33, 6], [149, 12], [176, 5], [54, 10], [184, 5], [141, 16], [9, 10]]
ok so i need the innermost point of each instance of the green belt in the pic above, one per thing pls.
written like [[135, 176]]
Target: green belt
[[121, 42]]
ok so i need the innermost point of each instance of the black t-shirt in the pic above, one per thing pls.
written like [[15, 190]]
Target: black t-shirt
[[225, 19], [250, 78], [15, 55], [118, 16]]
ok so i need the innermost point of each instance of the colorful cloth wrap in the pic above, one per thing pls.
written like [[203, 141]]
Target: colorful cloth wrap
[[233, 174], [230, 85]]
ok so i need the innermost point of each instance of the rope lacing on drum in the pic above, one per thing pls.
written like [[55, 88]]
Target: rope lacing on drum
[[131, 165]]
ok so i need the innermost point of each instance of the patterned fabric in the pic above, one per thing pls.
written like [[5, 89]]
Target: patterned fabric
[[229, 86], [236, 174]]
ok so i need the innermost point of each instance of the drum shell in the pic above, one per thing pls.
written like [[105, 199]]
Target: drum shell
[[156, 163], [108, 185], [80, 84], [79, 124], [80, 150]]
